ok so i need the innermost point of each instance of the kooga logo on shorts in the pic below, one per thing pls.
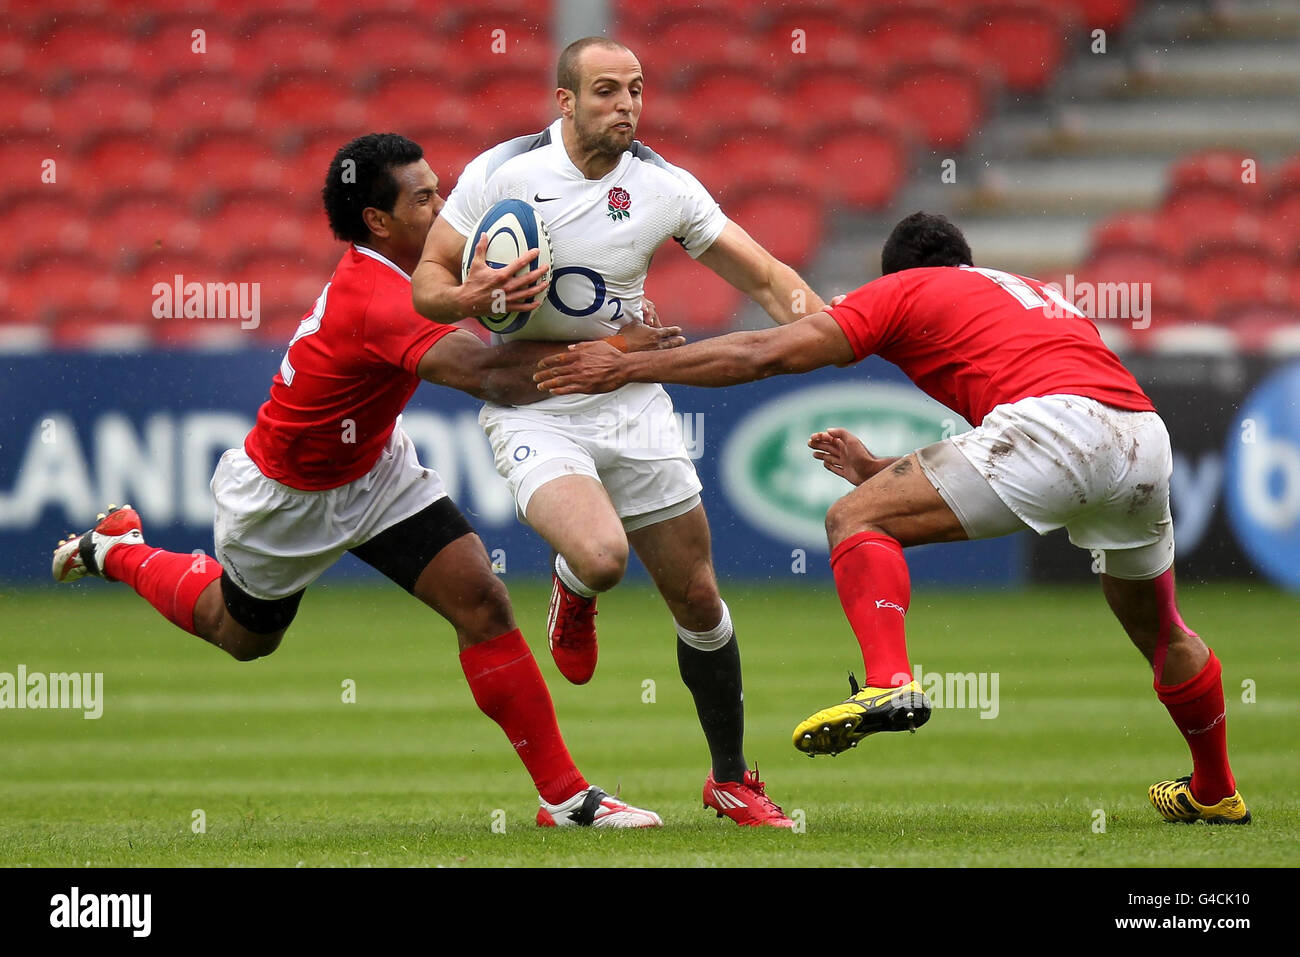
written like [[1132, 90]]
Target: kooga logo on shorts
[[770, 475]]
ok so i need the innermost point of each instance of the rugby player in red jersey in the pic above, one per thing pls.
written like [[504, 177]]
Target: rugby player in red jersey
[[1064, 437], [327, 469]]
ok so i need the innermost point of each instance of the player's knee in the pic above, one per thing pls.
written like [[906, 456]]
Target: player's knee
[[486, 611], [252, 646], [844, 520], [602, 566]]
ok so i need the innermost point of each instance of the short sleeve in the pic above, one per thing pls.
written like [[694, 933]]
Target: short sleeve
[[702, 218], [868, 315], [468, 200], [395, 334]]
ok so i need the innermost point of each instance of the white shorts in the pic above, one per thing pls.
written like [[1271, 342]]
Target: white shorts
[[632, 445], [1064, 460], [274, 540]]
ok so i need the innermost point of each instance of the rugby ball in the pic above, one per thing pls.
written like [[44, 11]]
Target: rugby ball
[[513, 227]]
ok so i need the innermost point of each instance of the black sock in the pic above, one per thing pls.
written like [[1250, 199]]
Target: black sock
[[713, 678]]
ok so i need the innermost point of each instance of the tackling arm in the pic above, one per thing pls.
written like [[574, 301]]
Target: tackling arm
[[739, 259], [802, 346], [503, 373]]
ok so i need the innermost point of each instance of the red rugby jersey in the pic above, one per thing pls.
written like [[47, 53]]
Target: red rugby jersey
[[976, 338], [348, 373]]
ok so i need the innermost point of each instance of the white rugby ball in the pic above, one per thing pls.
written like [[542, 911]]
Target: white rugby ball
[[513, 227]]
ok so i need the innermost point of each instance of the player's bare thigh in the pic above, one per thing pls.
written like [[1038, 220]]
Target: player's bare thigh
[[898, 501], [575, 516], [459, 584], [678, 554]]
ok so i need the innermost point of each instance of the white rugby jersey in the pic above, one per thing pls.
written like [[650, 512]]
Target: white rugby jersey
[[603, 231]]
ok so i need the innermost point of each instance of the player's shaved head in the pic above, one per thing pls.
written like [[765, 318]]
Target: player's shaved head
[[924, 239], [568, 72]]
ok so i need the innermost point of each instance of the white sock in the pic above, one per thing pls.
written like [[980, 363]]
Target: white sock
[[714, 639], [570, 580]]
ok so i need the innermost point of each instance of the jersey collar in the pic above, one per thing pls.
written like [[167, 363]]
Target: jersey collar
[[367, 251]]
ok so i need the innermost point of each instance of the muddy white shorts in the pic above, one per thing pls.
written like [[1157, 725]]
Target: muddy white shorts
[[632, 445], [1064, 460], [274, 540]]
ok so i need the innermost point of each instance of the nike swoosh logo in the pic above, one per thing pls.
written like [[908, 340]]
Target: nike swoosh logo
[[539, 198]]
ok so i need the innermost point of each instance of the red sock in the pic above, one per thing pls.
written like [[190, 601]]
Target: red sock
[[1196, 705], [875, 590], [170, 581], [508, 687]]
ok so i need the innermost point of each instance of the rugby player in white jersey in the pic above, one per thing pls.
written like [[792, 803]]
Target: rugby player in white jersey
[[593, 474]]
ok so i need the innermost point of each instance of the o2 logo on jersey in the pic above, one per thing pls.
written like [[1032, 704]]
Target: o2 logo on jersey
[[583, 283], [1263, 477], [522, 452]]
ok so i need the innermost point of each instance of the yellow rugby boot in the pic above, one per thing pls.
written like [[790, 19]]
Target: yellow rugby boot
[[864, 712], [1174, 801]]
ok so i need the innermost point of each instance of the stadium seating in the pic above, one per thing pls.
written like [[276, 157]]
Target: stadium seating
[[189, 153]]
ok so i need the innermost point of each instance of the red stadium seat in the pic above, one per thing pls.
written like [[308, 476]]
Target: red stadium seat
[[203, 104], [756, 160], [226, 165], [122, 162], [138, 227], [485, 46], [308, 102], [1207, 215], [25, 109], [1219, 169], [694, 44], [249, 227], [504, 107], [173, 50], [689, 295], [84, 47], [1137, 231], [809, 43], [24, 160], [1106, 14], [50, 225], [284, 45], [860, 166], [909, 33], [402, 49], [835, 99], [944, 90], [55, 285], [1232, 275], [787, 222], [719, 106], [1026, 39], [95, 107]]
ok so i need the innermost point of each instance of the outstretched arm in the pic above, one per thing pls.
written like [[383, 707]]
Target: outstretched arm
[[812, 342], [504, 373], [739, 259]]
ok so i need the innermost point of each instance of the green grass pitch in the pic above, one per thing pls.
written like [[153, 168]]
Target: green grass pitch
[[286, 773]]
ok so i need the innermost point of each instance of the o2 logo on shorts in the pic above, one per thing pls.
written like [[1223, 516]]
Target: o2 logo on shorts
[[522, 452], [1262, 479], [597, 293]]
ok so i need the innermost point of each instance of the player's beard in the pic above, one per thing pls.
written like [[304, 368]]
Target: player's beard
[[603, 142]]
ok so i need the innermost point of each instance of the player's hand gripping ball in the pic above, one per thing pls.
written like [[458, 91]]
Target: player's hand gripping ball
[[513, 227]]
